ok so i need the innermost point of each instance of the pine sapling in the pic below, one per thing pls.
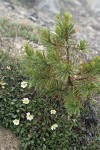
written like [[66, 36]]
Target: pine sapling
[[61, 70]]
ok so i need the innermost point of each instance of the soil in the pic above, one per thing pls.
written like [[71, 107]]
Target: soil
[[8, 141]]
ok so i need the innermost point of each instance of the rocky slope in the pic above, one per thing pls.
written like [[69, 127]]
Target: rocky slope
[[42, 13]]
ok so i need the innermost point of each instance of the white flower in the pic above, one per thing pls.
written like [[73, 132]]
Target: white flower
[[25, 100], [24, 84], [53, 112], [3, 84], [54, 126], [75, 76], [29, 116], [16, 122], [8, 68], [3, 87]]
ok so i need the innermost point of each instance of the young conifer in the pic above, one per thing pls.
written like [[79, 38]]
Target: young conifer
[[61, 70]]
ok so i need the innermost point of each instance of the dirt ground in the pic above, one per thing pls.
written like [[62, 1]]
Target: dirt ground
[[8, 141]]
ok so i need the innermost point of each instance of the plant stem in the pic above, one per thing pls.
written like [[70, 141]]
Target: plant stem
[[67, 54], [67, 57]]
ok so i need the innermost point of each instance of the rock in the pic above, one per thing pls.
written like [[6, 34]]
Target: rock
[[32, 18], [8, 141]]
